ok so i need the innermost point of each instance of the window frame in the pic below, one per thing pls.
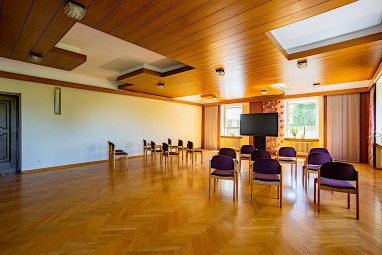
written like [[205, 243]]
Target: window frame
[[231, 106], [287, 133]]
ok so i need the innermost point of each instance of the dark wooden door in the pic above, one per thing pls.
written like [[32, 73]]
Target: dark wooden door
[[8, 134]]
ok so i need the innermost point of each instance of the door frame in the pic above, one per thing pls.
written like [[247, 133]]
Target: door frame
[[17, 96]]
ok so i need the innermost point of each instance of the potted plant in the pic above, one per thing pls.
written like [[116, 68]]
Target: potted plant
[[294, 132]]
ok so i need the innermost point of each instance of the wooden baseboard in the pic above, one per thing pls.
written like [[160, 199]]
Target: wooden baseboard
[[54, 168]]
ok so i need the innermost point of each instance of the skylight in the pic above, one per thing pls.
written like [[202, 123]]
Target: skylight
[[351, 21]]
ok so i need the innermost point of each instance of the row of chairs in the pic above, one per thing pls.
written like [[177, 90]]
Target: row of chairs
[[168, 150], [334, 176]]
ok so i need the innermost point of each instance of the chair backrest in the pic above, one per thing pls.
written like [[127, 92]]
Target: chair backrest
[[169, 141], [164, 147], [287, 152], [267, 166], [318, 158], [260, 154], [222, 162], [228, 152], [111, 147], [247, 149], [338, 171], [318, 150], [180, 143], [144, 143], [190, 145], [152, 145]]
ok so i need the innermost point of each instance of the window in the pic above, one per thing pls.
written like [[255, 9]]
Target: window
[[302, 118], [232, 120]]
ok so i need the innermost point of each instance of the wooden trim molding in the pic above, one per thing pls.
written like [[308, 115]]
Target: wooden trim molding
[[301, 140], [376, 75], [28, 78], [259, 99], [54, 168]]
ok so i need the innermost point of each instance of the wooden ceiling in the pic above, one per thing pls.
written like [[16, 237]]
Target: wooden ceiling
[[203, 34]]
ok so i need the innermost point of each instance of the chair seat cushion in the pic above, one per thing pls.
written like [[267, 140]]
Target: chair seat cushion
[[266, 177], [223, 173], [171, 153], [245, 156], [119, 153], [287, 159], [341, 184], [313, 167]]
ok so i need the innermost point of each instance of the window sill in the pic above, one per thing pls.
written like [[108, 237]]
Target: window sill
[[301, 140]]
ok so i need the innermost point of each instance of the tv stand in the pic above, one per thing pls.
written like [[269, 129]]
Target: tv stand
[[260, 142]]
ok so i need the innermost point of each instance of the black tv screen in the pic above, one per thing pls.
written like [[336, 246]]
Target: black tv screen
[[259, 124]]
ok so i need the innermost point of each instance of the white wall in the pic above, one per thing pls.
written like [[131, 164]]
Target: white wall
[[89, 119]]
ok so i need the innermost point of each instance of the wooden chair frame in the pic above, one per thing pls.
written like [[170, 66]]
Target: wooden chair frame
[[235, 180], [294, 162], [154, 151], [146, 149], [348, 191], [168, 155], [279, 185], [123, 159], [192, 152]]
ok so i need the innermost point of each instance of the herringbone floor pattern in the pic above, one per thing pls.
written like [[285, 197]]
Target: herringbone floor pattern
[[151, 209]]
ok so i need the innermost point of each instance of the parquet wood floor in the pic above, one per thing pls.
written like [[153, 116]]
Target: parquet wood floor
[[151, 209]]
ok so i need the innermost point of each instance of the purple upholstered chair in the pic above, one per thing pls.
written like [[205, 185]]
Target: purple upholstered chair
[[288, 155], [312, 163], [146, 148], [113, 154], [267, 171], [192, 152], [335, 176], [223, 168], [255, 155], [181, 148], [167, 153], [154, 150], [318, 150], [245, 152]]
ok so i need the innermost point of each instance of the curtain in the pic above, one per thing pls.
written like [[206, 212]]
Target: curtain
[[370, 147], [211, 127], [343, 127], [274, 143]]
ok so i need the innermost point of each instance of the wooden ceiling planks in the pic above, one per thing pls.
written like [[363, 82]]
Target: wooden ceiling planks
[[202, 34]]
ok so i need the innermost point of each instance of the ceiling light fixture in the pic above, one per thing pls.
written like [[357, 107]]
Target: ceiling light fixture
[[316, 85], [264, 92], [74, 10], [220, 71], [37, 59], [214, 97], [302, 63], [160, 85]]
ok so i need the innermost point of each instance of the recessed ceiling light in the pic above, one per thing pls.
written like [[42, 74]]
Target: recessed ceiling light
[[220, 71], [74, 10], [264, 91], [316, 85], [302, 63], [37, 59], [160, 85]]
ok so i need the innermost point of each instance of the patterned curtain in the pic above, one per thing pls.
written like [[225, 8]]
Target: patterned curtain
[[274, 143], [371, 127]]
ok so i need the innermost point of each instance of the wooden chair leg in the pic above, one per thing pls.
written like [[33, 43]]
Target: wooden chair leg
[[234, 188], [357, 203], [318, 197], [281, 194], [315, 184], [251, 192], [348, 200]]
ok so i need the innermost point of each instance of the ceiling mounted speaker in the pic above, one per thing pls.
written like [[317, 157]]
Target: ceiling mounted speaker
[[35, 58], [302, 63], [160, 85], [74, 10], [220, 71]]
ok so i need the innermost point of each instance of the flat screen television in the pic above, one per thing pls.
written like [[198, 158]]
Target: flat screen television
[[259, 124]]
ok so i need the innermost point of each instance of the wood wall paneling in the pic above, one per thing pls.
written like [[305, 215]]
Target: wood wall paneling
[[364, 126], [203, 125]]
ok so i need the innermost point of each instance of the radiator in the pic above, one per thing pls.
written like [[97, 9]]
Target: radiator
[[302, 147], [233, 143]]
